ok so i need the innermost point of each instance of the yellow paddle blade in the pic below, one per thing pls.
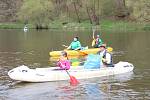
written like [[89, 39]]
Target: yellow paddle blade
[[93, 42], [109, 49], [75, 64]]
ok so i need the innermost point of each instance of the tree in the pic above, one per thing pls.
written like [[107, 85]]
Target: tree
[[92, 11], [139, 9], [8, 10], [121, 9], [39, 12]]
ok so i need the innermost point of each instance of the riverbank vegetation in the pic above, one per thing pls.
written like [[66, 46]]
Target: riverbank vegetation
[[107, 25], [81, 14]]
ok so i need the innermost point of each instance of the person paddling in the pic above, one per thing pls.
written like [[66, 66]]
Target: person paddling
[[75, 44], [97, 41], [106, 57], [64, 62]]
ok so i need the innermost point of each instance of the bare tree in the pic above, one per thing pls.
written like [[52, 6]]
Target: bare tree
[[76, 10]]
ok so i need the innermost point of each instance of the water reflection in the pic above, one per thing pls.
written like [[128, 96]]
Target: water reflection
[[96, 88], [106, 87]]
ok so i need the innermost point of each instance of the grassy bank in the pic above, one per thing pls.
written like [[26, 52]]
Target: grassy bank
[[14, 26], [124, 26], [104, 25]]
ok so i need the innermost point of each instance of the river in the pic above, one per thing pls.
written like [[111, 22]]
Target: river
[[31, 48]]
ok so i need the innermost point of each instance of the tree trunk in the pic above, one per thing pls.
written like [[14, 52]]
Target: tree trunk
[[76, 12], [87, 10], [99, 11], [94, 17], [121, 10]]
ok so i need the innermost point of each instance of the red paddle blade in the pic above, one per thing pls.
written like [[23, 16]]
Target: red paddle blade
[[73, 80]]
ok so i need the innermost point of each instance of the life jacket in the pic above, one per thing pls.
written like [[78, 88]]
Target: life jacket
[[97, 41], [64, 64], [111, 63]]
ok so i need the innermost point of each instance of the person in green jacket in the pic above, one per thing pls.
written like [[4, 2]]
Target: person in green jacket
[[97, 42], [75, 44]]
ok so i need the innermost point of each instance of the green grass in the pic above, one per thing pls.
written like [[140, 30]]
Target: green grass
[[146, 27], [69, 25], [14, 26], [10, 26], [121, 26], [106, 25]]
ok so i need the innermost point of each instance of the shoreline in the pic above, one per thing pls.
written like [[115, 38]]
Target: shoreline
[[104, 25]]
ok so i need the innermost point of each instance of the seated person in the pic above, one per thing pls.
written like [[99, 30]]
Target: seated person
[[106, 57], [63, 62], [97, 42], [75, 44]]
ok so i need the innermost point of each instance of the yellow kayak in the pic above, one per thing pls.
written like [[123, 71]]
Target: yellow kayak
[[56, 58], [78, 52]]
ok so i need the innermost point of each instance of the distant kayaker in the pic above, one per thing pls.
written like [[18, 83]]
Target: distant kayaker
[[97, 41], [64, 62], [75, 44], [106, 57]]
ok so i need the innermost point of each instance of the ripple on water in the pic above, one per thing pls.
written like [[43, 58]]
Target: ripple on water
[[95, 89]]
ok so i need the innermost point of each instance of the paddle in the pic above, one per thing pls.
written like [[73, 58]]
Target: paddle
[[65, 46], [73, 80], [109, 49], [93, 42]]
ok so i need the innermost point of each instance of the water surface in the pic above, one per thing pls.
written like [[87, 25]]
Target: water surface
[[32, 48]]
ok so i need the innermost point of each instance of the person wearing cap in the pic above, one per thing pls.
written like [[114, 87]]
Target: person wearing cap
[[75, 44], [106, 57], [97, 42], [63, 61]]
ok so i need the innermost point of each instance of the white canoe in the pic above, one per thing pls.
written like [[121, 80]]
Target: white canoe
[[23, 73]]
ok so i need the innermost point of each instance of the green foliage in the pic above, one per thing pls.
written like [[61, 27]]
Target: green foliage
[[42, 12], [36, 11], [147, 27], [14, 26], [60, 13], [122, 26], [10, 26], [139, 10]]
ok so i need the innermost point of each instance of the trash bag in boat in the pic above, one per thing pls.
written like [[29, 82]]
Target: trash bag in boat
[[92, 62]]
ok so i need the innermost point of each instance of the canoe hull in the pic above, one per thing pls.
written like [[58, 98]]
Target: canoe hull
[[75, 52], [23, 73]]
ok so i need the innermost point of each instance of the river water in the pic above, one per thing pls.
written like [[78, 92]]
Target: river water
[[31, 48]]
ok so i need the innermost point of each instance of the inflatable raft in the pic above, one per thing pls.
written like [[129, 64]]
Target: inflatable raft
[[23, 73]]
